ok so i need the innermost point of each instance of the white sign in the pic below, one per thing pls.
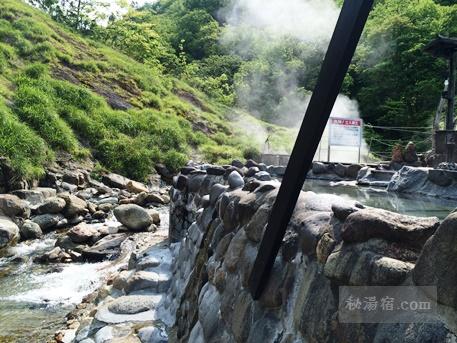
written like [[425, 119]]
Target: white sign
[[345, 132]]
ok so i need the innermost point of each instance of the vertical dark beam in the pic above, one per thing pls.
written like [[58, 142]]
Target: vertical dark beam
[[342, 46], [451, 92]]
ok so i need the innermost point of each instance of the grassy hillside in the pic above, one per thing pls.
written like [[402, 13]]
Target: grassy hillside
[[62, 93]]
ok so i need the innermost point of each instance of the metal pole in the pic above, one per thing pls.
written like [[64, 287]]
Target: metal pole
[[342, 46]]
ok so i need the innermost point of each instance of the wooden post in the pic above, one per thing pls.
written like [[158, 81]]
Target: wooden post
[[342, 46]]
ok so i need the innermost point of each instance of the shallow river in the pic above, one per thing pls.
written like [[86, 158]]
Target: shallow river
[[34, 299]]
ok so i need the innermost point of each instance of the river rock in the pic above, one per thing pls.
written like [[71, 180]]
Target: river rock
[[106, 248], [35, 196], [74, 178], [13, 206], [52, 205], [144, 198], [30, 230], [47, 222], [433, 267], [82, 233], [156, 282], [375, 223], [133, 217], [352, 171], [235, 180], [9, 232], [152, 334], [132, 304], [74, 205], [340, 170], [115, 180], [136, 187]]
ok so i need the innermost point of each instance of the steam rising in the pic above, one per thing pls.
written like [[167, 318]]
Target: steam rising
[[254, 24], [311, 21]]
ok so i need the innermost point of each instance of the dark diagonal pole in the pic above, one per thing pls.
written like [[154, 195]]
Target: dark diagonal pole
[[342, 46]]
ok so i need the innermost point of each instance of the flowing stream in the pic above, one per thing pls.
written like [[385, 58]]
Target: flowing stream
[[34, 298]]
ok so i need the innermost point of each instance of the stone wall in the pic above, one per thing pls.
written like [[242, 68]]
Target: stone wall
[[220, 218]]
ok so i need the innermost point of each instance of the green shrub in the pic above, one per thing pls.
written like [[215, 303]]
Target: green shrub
[[152, 100], [174, 160], [219, 154], [251, 153], [26, 151]]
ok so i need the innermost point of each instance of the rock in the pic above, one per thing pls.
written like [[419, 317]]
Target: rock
[[35, 196], [155, 215], [82, 233], [9, 232], [133, 217], [52, 205], [13, 206], [276, 170], [235, 180], [131, 304], [216, 190], [73, 178], [69, 187], [115, 181], [410, 155], [150, 198], [252, 171], [164, 172], [439, 177], [152, 334], [105, 207], [340, 170], [99, 215], [263, 176], [106, 248], [47, 222], [237, 164], [352, 171], [181, 183], [342, 211], [319, 168], [156, 282], [433, 266], [74, 205], [120, 281], [375, 223], [136, 187], [364, 264], [30, 230], [215, 170]]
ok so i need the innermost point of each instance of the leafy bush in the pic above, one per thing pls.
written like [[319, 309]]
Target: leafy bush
[[251, 153]]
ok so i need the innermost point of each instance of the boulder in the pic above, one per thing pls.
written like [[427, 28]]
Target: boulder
[[13, 206], [74, 205], [136, 187], [48, 222], [156, 282], [52, 205], [235, 180], [352, 171], [319, 168], [133, 217], [82, 233], [30, 230], [106, 248], [237, 164], [115, 181], [340, 170], [35, 196], [148, 198], [263, 176], [73, 178], [439, 177], [9, 232], [435, 264], [375, 223]]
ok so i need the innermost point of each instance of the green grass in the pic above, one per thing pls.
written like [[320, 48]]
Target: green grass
[[54, 87]]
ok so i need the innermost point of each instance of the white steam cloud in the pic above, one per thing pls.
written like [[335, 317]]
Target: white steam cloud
[[311, 22]]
